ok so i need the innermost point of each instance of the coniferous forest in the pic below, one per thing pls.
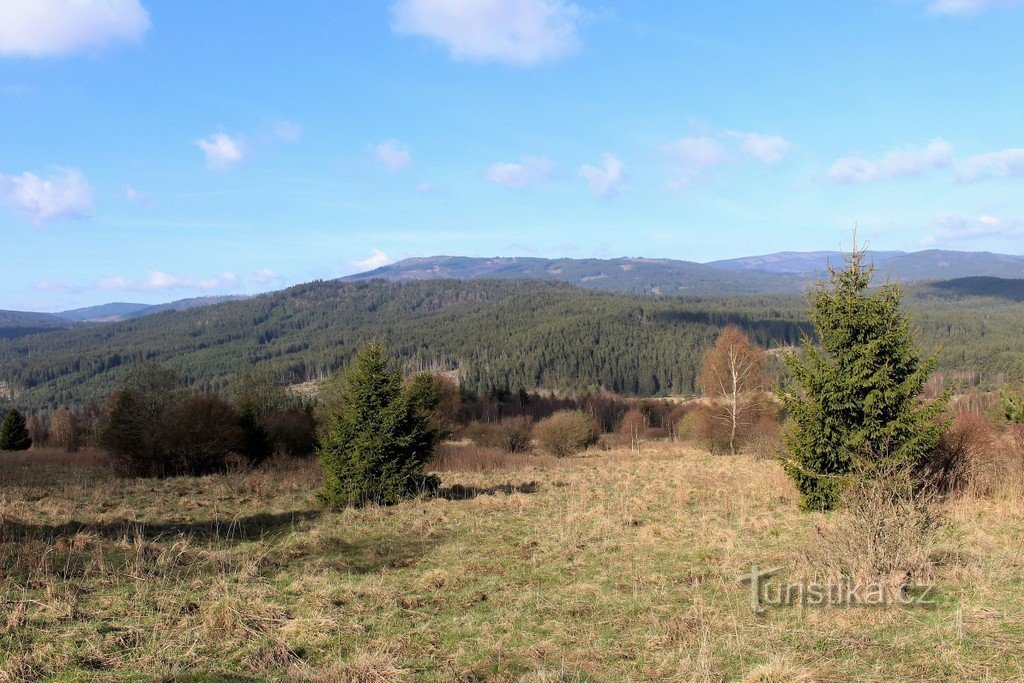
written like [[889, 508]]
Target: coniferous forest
[[499, 335]]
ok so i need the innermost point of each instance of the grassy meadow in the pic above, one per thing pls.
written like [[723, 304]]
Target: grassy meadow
[[612, 566]]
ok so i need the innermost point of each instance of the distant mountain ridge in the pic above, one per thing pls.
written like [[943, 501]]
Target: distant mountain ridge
[[20, 323], [917, 266], [778, 273], [635, 275], [117, 311], [766, 274]]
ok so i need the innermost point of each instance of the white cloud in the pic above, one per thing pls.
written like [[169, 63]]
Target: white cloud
[[605, 181], [222, 151], [161, 281], [518, 32], [376, 259], [64, 194], [54, 27], [768, 149], [528, 172], [967, 7], [692, 157], [1003, 164], [893, 164], [287, 131], [393, 155], [952, 228], [264, 276]]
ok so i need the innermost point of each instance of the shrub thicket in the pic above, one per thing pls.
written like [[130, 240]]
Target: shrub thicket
[[154, 428]]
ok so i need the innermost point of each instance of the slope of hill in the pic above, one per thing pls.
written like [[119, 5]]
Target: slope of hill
[[638, 275], [808, 263], [932, 264], [496, 334], [104, 313], [19, 323], [935, 264], [115, 312]]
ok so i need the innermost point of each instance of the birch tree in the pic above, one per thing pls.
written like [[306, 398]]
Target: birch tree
[[731, 374]]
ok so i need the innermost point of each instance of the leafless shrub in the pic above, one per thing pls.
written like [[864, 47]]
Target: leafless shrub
[[974, 458], [885, 531], [566, 433]]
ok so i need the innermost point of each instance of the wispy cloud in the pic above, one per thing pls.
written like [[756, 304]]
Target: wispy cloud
[[517, 32], [264, 276], [899, 163], [1002, 164], [393, 155], [375, 260], [606, 180], [950, 228], [960, 8], [40, 28], [65, 193], [161, 281], [222, 151], [526, 173], [693, 157], [768, 149]]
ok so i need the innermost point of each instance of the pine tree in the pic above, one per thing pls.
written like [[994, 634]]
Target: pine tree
[[14, 434], [378, 439], [857, 399]]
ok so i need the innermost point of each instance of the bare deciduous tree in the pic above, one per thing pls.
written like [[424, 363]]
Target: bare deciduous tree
[[731, 374]]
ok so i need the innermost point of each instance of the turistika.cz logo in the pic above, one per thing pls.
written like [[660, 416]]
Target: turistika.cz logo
[[848, 593]]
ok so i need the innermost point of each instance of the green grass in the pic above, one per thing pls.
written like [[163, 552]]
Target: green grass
[[604, 568]]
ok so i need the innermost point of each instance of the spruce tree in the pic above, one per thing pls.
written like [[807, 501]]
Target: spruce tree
[[856, 399], [14, 434], [377, 439]]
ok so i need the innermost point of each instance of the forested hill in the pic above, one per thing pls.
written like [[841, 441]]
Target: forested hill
[[638, 275], [498, 334], [781, 273]]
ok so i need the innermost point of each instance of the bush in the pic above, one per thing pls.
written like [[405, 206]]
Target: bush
[[973, 457], [886, 530], [566, 433], [515, 434], [481, 434], [198, 435], [291, 432], [195, 435]]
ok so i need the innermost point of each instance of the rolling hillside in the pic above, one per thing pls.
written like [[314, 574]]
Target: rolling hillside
[[497, 333]]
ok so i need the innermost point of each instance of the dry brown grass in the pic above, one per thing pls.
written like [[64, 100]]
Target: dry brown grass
[[469, 457], [610, 567]]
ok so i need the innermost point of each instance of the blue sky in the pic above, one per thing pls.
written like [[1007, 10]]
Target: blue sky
[[157, 149]]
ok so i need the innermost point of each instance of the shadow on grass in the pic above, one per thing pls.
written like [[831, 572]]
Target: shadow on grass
[[460, 492], [247, 528]]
